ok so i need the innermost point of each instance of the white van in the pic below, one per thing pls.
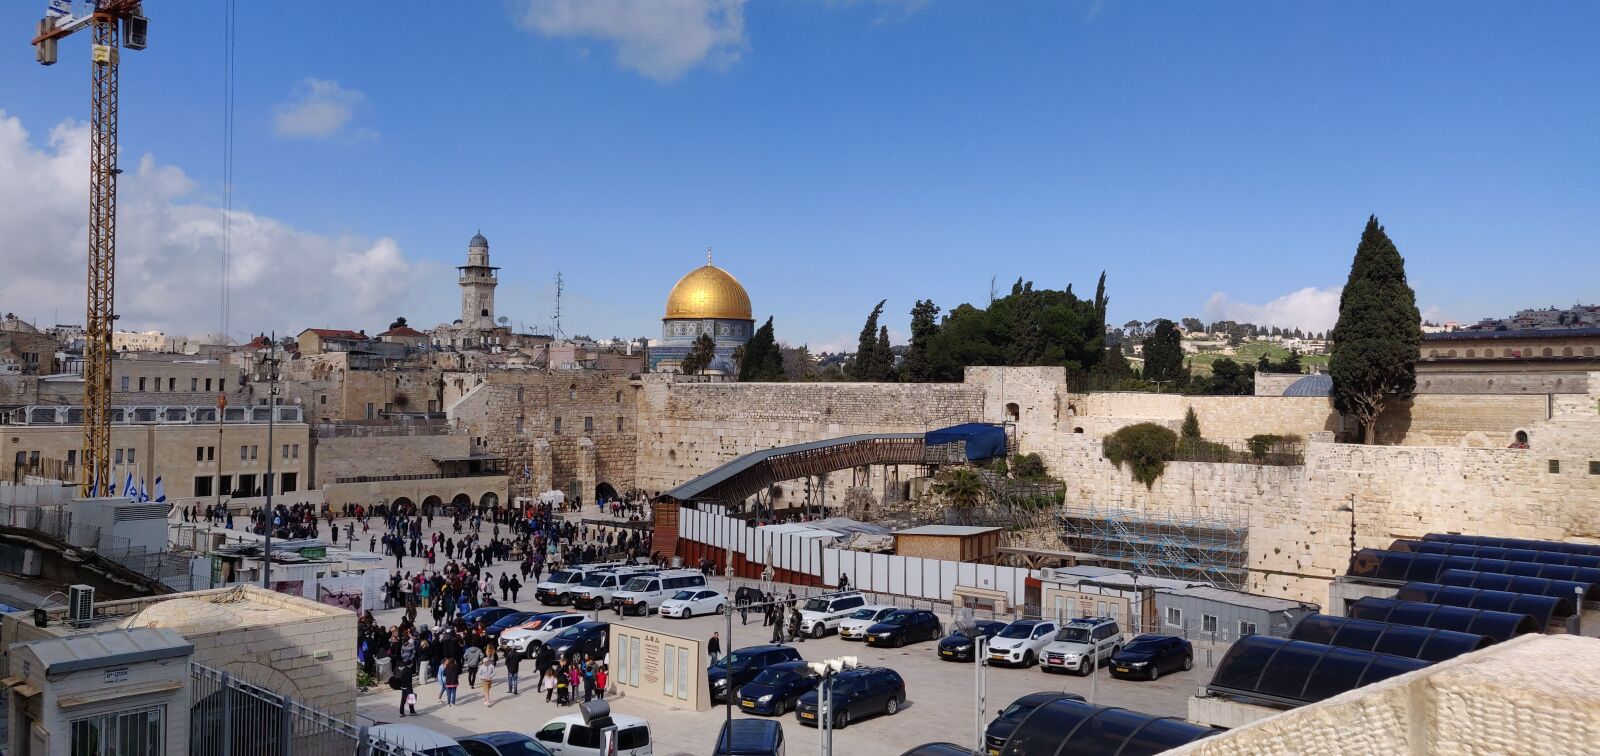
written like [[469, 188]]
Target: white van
[[820, 614], [416, 740], [567, 735], [644, 593], [597, 588], [556, 588]]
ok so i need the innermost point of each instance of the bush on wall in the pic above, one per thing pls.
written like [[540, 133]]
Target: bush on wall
[[1145, 447]]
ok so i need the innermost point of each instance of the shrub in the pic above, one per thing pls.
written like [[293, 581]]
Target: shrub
[[1191, 425], [1201, 450], [1263, 444], [1145, 447], [1029, 467], [1000, 467]]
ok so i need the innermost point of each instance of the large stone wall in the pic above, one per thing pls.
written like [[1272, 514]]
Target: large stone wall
[[1223, 418], [1480, 420], [382, 456]]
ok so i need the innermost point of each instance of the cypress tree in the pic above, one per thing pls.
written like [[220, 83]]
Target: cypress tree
[[924, 327], [883, 356], [1379, 333], [864, 367], [1163, 353], [762, 359]]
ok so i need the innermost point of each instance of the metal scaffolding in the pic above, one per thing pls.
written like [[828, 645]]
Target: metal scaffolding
[[1209, 547]]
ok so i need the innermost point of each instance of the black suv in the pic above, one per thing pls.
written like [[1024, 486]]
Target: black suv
[[1149, 655], [961, 643], [590, 638], [904, 626], [742, 665], [856, 693], [998, 731]]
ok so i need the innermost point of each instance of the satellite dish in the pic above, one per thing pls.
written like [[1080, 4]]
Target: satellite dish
[[504, 320]]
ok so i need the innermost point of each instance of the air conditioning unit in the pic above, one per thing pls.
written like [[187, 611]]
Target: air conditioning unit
[[1047, 573], [80, 604]]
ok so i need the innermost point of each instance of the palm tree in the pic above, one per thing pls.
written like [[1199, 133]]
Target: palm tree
[[962, 487]]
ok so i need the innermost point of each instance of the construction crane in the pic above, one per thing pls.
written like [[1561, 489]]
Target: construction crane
[[110, 20]]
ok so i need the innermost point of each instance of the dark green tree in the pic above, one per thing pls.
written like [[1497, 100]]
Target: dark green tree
[[398, 323], [866, 366], [1163, 353], [924, 326], [1027, 332], [883, 357], [700, 356], [1191, 425], [1379, 333], [762, 359], [1193, 325]]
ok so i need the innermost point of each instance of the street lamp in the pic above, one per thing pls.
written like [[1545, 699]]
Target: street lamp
[[272, 412], [828, 669]]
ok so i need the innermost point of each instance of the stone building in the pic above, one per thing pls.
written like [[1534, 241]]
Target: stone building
[[477, 328], [706, 301]]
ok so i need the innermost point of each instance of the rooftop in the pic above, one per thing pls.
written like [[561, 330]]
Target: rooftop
[[1514, 333], [108, 649], [946, 530]]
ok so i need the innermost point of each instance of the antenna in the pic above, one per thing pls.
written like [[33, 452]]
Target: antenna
[[555, 329]]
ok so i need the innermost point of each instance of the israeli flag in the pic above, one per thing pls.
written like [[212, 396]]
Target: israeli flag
[[129, 490], [161, 493], [94, 486], [143, 494]]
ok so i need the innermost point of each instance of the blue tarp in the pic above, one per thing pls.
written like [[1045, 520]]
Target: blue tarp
[[983, 440]]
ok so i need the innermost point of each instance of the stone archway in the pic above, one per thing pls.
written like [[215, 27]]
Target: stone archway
[[603, 491], [432, 504], [489, 500], [401, 502]]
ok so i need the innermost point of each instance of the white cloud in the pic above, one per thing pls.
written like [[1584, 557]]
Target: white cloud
[[660, 39], [1310, 308], [317, 109], [169, 252]]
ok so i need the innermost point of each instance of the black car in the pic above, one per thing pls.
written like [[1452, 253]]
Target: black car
[[488, 615], [859, 692], [776, 689], [1150, 655], [590, 638], [750, 737], [507, 622], [502, 743], [939, 749], [742, 665], [904, 626], [999, 730], [961, 645]]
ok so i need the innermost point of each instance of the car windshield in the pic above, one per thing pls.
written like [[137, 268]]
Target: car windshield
[[736, 658], [815, 605], [863, 613], [683, 595], [898, 618], [1073, 634], [570, 634], [1143, 647], [595, 581], [1017, 630], [638, 584], [775, 677], [1016, 710], [562, 576]]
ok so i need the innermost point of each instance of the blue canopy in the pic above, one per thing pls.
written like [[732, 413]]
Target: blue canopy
[[983, 440]]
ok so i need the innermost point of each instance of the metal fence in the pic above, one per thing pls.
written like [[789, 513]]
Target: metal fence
[[228, 717]]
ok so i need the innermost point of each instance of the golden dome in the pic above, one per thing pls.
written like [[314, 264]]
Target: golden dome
[[708, 292]]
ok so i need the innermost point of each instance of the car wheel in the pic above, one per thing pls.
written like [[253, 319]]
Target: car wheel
[[722, 608], [1028, 659], [892, 707], [1085, 668], [1155, 672], [818, 630], [1188, 663], [842, 719]]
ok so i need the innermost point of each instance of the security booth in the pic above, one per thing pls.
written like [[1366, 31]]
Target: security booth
[[123, 692]]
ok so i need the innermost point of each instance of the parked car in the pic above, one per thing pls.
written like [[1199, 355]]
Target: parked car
[[740, 666], [502, 743], [854, 626], [1148, 656], [858, 692], [556, 589], [418, 739], [1000, 729], [488, 615], [644, 593], [1021, 642], [775, 690], [822, 614], [1082, 645], [904, 626], [537, 631], [691, 601], [567, 735], [590, 638], [750, 737], [962, 643], [939, 749], [597, 588], [514, 619]]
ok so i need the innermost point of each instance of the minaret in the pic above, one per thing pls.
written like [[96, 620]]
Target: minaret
[[478, 279]]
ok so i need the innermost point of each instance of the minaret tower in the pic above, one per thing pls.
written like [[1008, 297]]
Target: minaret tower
[[478, 279]]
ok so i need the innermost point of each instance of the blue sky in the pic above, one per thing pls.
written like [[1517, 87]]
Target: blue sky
[[1217, 159]]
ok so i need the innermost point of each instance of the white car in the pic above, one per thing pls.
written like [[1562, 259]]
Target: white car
[[567, 735], [417, 740], [526, 638], [691, 601], [854, 627], [820, 614], [1022, 642]]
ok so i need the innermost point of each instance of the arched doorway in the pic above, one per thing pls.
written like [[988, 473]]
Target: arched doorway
[[432, 504], [489, 500], [1013, 412], [461, 502], [604, 491], [402, 503]]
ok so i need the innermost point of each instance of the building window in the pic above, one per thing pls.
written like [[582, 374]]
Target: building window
[[211, 453], [1546, 352], [1555, 465], [1470, 353], [247, 486], [208, 384], [372, 411], [285, 451], [1174, 616], [141, 384], [1208, 623], [1594, 466], [519, 394], [558, 426], [227, 485], [322, 398], [124, 384], [72, 461], [194, 384], [290, 482], [130, 732], [619, 425], [519, 423], [130, 456], [294, 451], [244, 452], [619, 397], [572, 391], [172, 384], [202, 485], [588, 425], [1522, 437], [1246, 627], [199, 454], [253, 450]]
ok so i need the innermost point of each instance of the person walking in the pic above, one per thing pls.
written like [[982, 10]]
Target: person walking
[[513, 662], [714, 647], [452, 679], [405, 681], [547, 683], [470, 659], [844, 581], [486, 673], [777, 628], [515, 586], [590, 667], [601, 677]]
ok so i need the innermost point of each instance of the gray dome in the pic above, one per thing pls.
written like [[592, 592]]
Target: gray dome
[[1320, 384], [478, 240]]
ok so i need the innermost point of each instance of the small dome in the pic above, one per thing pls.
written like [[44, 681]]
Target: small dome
[[186, 616], [708, 292], [1319, 384], [478, 240]]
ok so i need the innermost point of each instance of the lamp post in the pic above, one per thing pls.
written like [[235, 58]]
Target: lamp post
[[272, 411], [827, 669]]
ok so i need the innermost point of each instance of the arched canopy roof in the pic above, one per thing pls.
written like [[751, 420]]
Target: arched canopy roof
[[1070, 726], [1426, 643], [1496, 625], [1453, 548], [1294, 673], [1516, 543], [1543, 609]]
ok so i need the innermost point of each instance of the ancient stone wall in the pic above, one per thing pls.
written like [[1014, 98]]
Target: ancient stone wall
[[1222, 418], [382, 456], [1480, 420]]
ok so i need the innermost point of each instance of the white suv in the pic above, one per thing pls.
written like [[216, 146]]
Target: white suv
[[1082, 645], [597, 588], [1021, 642], [820, 614], [854, 627], [526, 638]]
